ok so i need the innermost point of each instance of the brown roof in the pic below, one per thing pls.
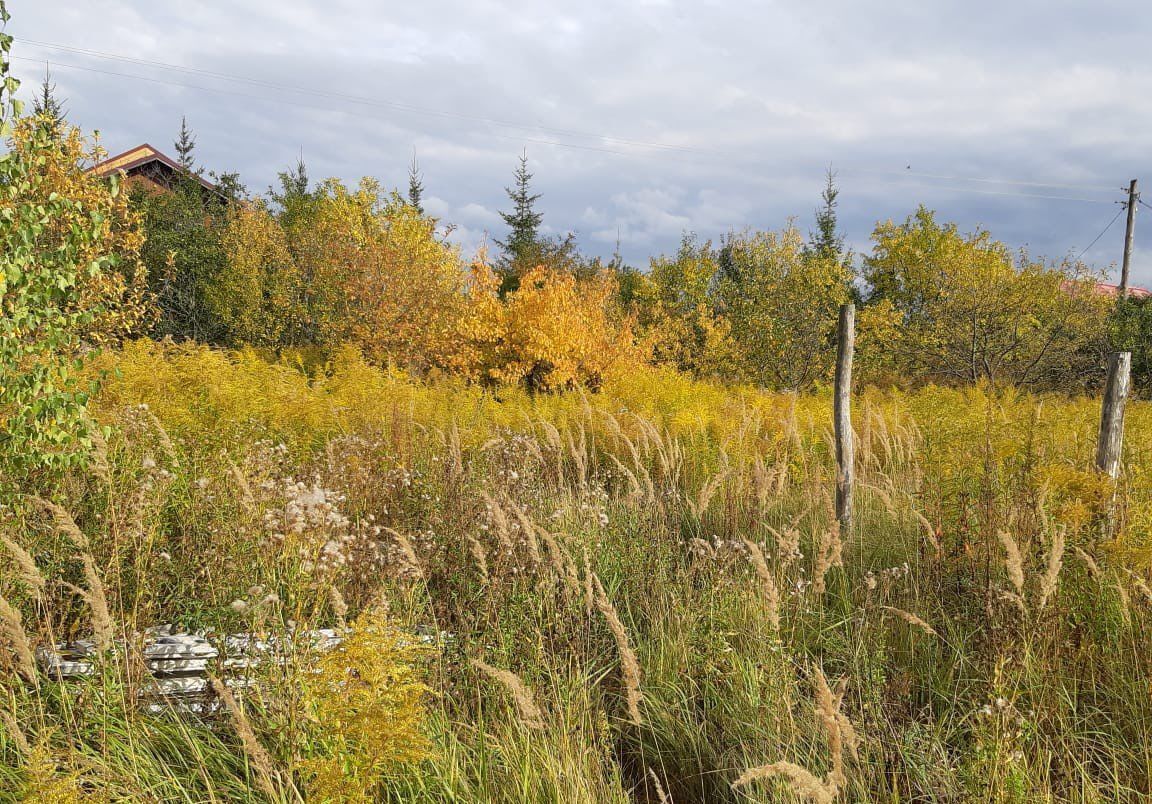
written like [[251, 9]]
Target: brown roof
[[138, 157]]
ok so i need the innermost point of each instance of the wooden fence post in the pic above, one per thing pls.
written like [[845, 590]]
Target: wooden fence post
[[842, 413], [1111, 438]]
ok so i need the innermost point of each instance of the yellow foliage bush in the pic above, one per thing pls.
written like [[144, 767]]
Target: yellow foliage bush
[[119, 297], [551, 333], [365, 710]]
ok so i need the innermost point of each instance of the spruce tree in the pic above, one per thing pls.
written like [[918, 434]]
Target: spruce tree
[[827, 242], [47, 105], [523, 220], [185, 146], [415, 185]]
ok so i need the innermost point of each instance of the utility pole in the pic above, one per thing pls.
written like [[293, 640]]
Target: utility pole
[[1129, 237]]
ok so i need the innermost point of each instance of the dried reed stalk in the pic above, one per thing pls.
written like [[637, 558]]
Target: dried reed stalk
[[12, 627], [838, 730], [64, 523], [912, 619], [94, 595], [802, 781], [1013, 561], [771, 590], [479, 554], [1051, 576], [787, 545], [660, 792], [408, 551], [15, 732], [102, 626], [529, 713], [629, 664], [930, 533], [165, 441], [25, 564], [561, 562], [589, 589], [1125, 602], [1141, 586], [247, 498], [500, 522], [100, 465], [528, 528], [840, 735], [708, 490], [255, 752], [1089, 562], [703, 547], [829, 554], [339, 606]]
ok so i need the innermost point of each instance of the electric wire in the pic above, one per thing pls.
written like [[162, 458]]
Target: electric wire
[[360, 99], [1021, 182], [1096, 239], [297, 103], [399, 106]]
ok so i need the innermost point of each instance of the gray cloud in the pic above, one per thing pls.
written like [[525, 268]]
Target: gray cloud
[[754, 99]]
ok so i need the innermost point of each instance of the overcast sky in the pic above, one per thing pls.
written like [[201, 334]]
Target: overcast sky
[[646, 119]]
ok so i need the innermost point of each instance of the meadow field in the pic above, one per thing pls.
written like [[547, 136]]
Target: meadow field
[[635, 595]]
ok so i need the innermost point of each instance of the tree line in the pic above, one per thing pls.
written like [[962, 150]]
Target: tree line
[[309, 266]]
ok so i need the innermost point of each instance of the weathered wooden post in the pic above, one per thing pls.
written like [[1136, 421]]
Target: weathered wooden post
[[1111, 438], [842, 413], [1110, 442]]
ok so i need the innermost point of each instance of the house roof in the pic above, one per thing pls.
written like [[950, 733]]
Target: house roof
[[1108, 289], [140, 156]]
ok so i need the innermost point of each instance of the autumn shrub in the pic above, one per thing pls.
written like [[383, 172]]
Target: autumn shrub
[[968, 309], [552, 333], [70, 282]]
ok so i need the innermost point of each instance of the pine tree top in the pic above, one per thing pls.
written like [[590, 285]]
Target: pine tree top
[[524, 221], [46, 104], [185, 147], [415, 186], [827, 242]]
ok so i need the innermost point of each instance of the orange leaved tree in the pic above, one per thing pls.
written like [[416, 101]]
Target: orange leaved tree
[[553, 332]]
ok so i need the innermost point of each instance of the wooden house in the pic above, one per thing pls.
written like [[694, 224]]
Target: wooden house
[[147, 168]]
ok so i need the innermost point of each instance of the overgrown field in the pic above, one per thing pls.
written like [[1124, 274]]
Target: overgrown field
[[637, 595]]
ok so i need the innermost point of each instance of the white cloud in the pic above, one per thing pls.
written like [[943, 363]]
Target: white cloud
[[762, 97]]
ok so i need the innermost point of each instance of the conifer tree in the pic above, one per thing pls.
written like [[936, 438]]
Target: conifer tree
[[415, 185], [47, 105], [827, 242], [185, 146], [523, 220]]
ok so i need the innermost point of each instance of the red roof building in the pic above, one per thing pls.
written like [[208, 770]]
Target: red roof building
[[1108, 289], [148, 168]]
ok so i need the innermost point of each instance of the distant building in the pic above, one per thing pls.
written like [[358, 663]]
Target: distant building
[[150, 170], [1108, 289]]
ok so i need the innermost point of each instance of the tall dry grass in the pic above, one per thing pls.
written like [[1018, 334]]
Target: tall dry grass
[[659, 560]]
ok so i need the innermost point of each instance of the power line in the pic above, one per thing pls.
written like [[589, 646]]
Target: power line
[[977, 191], [1096, 239], [295, 103], [399, 106], [405, 107], [390, 104], [1021, 182]]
